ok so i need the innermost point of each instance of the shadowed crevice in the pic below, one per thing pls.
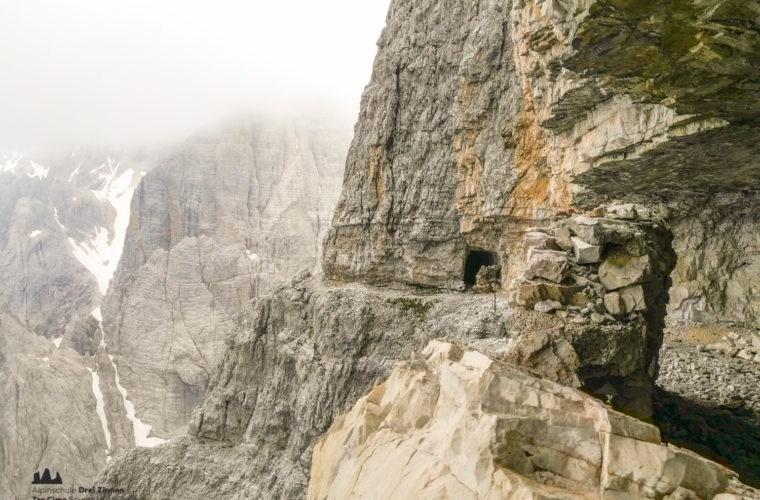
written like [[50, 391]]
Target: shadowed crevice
[[475, 260], [729, 435]]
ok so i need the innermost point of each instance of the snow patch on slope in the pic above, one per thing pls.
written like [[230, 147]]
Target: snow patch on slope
[[93, 255], [57, 341], [140, 429], [75, 172], [100, 409], [38, 171], [35, 233], [58, 219], [101, 254], [10, 162]]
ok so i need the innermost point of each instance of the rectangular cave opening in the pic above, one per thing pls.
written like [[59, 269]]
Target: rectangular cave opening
[[475, 260]]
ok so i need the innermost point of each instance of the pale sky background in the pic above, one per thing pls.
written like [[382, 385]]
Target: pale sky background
[[137, 72]]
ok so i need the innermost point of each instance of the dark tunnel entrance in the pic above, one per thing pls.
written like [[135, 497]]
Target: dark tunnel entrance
[[475, 260]]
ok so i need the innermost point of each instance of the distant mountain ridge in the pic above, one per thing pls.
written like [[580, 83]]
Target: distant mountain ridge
[[251, 195], [218, 222]]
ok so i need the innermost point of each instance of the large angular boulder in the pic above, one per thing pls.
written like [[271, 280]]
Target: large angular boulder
[[585, 253], [455, 423], [620, 269], [548, 264]]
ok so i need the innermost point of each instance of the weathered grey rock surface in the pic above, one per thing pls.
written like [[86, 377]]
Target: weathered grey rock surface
[[32, 372], [59, 225], [487, 129], [428, 147], [213, 226], [532, 108], [235, 209], [540, 108], [300, 356], [54, 221], [307, 351], [717, 278], [56, 411]]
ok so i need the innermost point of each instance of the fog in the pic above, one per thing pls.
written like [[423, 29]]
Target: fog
[[140, 73]]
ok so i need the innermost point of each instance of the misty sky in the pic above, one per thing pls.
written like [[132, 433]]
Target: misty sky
[[134, 72]]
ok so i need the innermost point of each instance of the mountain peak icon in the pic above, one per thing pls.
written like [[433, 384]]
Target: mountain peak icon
[[47, 477]]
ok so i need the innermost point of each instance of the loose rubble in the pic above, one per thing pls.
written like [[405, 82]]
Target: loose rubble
[[609, 281], [708, 398]]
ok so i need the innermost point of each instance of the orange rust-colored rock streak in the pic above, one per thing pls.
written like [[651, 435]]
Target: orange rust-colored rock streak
[[469, 192], [376, 161], [543, 188], [539, 189], [469, 170]]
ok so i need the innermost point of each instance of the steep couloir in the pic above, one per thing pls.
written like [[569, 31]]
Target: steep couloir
[[216, 223]]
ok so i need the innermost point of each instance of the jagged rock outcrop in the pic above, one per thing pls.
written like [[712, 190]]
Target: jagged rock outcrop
[[48, 415], [526, 149], [302, 354], [456, 423], [213, 226], [307, 351]]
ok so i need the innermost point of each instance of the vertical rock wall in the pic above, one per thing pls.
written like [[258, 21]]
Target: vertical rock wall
[[428, 154], [534, 111], [213, 226], [525, 148], [717, 278]]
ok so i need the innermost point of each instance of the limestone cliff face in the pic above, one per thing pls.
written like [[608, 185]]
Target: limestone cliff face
[[547, 158], [54, 218], [483, 117], [717, 278], [33, 373], [214, 225], [45, 286], [428, 155]]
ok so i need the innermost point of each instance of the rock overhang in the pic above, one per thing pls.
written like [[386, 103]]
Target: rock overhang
[[535, 110], [687, 71]]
